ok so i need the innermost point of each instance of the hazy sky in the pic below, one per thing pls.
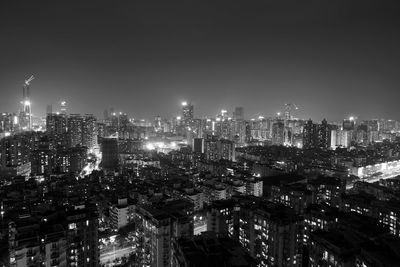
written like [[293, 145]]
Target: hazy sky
[[331, 58]]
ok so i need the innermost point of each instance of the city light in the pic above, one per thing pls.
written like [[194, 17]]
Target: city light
[[220, 167], [150, 146]]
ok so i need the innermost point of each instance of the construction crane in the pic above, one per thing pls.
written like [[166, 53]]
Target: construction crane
[[29, 80], [288, 110], [26, 87]]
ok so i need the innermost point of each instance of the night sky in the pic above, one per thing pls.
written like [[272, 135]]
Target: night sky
[[331, 58]]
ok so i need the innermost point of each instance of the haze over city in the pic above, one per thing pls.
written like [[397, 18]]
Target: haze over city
[[333, 59]]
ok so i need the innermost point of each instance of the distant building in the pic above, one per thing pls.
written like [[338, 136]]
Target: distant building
[[198, 145], [89, 132], [343, 138], [238, 114], [56, 129], [109, 149], [75, 130], [317, 135], [348, 125], [187, 113], [15, 153], [216, 149], [278, 133]]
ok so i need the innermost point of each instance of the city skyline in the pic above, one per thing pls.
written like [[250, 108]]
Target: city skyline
[[332, 59], [199, 133]]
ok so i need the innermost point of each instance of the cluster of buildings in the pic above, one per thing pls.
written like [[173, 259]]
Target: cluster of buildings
[[221, 191], [62, 148]]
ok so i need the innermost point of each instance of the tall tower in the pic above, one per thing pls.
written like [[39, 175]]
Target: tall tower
[[26, 102]]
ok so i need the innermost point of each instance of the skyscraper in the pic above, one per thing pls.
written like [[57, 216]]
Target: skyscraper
[[89, 131], [82, 236], [26, 113], [187, 113], [56, 129], [309, 135], [324, 135], [75, 126]]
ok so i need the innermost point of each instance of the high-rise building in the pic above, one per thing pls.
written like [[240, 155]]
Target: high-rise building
[[89, 131], [343, 138], [317, 135], [76, 159], [56, 129], [75, 127], [187, 113], [324, 135], [66, 237], [15, 150], [270, 232], [278, 133], [34, 244], [309, 135], [42, 158], [198, 145], [216, 149], [82, 236], [109, 149], [157, 226], [6, 122], [26, 112]]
